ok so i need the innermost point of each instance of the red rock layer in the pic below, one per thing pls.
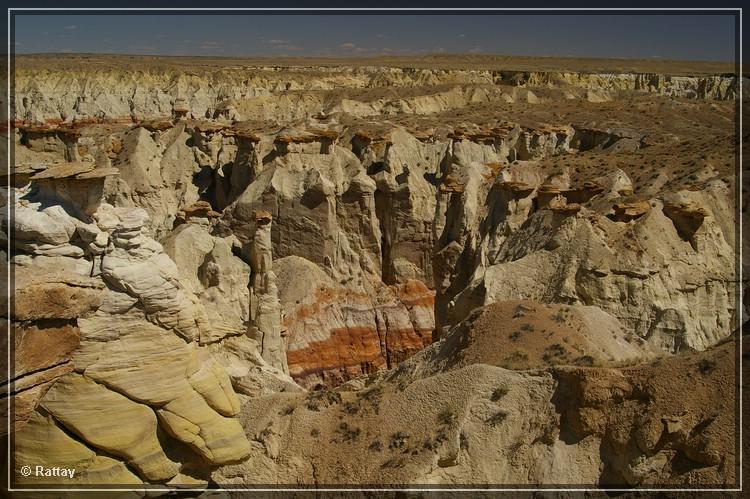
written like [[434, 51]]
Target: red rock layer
[[339, 335]]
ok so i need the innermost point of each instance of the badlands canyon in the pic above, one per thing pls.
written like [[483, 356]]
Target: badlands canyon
[[452, 270]]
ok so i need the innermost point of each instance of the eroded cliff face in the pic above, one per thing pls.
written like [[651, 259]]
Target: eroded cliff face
[[415, 247], [103, 322], [676, 289], [129, 95], [471, 214]]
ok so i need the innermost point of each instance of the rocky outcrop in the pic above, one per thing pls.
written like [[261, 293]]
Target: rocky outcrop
[[96, 327], [129, 430], [391, 208], [706, 87], [336, 333], [230, 93], [44, 438], [625, 212], [54, 295], [582, 257], [480, 276], [44, 333], [265, 308], [378, 207], [156, 173], [325, 210], [523, 334], [209, 269], [139, 267]]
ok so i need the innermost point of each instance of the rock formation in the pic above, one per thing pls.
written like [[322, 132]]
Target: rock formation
[[441, 419], [99, 314], [199, 92], [360, 274], [265, 308]]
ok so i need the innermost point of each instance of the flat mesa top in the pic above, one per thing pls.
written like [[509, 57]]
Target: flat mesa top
[[434, 61]]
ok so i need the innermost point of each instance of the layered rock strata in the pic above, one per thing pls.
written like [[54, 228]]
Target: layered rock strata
[[100, 312], [219, 92], [675, 290], [567, 238]]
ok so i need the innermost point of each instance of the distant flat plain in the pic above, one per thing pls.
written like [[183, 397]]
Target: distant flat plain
[[430, 61]]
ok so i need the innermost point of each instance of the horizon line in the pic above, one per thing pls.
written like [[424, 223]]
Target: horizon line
[[374, 56]]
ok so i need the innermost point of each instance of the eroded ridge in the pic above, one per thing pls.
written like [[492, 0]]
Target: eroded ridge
[[449, 275]]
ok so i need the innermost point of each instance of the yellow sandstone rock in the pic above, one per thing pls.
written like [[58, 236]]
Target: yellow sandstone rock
[[42, 443], [127, 429]]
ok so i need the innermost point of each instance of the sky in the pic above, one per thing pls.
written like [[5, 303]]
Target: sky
[[682, 37]]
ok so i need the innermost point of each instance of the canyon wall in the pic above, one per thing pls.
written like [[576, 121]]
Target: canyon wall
[[502, 267], [44, 96]]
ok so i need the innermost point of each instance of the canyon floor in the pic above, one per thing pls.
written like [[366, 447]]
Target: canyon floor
[[444, 271]]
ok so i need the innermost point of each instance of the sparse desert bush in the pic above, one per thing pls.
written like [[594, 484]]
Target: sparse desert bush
[[498, 393], [372, 394], [497, 418], [316, 400], [430, 444], [559, 317], [516, 357], [446, 417], [351, 408], [519, 311], [584, 360], [433, 443], [463, 440], [286, 411], [706, 366], [554, 352], [398, 441], [515, 447], [347, 432]]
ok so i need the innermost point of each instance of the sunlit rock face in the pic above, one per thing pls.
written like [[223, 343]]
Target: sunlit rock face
[[450, 275]]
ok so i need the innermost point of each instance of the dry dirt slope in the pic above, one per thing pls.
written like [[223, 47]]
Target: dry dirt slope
[[436, 420]]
